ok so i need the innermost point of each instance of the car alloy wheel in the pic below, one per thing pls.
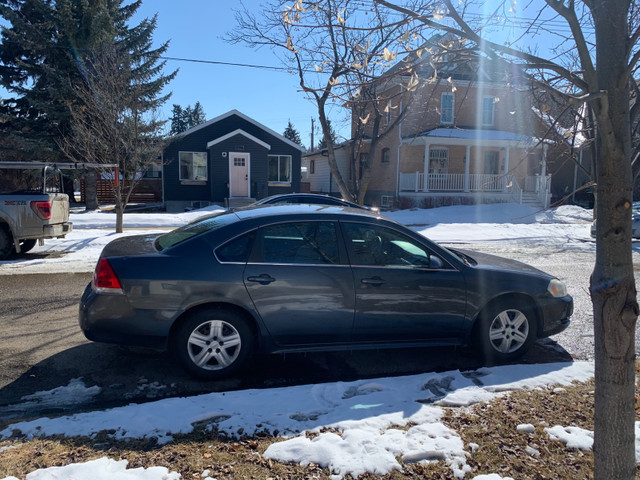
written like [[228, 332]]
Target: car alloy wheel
[[505, 333], [213, 343], [509, 331]]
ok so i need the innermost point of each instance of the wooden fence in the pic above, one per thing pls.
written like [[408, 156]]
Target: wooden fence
[[147, 190]]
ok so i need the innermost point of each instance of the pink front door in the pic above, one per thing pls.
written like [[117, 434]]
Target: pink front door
[[239, 174]]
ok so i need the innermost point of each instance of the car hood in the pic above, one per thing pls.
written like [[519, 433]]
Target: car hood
[[132, 245], [493, 262]]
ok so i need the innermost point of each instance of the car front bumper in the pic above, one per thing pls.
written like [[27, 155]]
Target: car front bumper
[[556, 315]]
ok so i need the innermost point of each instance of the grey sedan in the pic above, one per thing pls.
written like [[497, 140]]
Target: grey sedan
[[299, 278]]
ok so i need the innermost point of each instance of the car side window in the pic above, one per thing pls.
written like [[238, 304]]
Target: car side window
[[371, 245], [236, 250], [299, 243]]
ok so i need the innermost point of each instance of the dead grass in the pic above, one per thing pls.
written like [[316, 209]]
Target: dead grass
[[501, 448]]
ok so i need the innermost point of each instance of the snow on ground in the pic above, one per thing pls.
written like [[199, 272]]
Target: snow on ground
[[358, 426], [360, 415]]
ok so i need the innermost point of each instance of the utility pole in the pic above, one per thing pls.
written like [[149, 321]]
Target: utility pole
[[313, 122]]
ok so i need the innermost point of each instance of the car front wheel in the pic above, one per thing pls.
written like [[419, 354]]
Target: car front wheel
[[213, 343], [505, 333]]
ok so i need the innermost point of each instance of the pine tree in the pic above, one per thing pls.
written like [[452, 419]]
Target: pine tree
[[45, 52], [182, 119], [292, 134], [177, 120], [197, 115]]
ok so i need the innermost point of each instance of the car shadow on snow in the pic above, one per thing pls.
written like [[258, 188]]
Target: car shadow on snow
[[98, 376]]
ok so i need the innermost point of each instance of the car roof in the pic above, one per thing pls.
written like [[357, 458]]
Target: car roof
[[293, 209]]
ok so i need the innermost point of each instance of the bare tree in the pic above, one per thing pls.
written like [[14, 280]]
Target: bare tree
[[115, 124], [339, 50], [596, 68]]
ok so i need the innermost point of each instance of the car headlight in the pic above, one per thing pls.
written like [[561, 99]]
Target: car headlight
[[557, 288]]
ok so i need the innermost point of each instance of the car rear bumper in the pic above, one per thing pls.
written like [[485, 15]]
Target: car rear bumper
[[111, 319]]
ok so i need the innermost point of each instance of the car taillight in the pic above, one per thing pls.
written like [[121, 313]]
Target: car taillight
[[42, 209], [105, 279]]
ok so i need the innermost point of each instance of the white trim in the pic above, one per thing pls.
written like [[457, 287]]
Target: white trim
[[244, 117], [239, 131]]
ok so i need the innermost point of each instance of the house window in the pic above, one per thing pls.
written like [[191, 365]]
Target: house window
[[364, 159], [438, 160], [488, 107], [446, 108], [385, 155], [312, 166], [279, 168], [193, 166]]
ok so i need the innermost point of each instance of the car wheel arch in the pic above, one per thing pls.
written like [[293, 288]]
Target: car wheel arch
[[251, 320], [509, 301]]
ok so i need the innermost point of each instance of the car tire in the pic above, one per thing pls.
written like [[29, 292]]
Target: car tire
[[27, 245], [505, 333], [213, 343], [6, 242]]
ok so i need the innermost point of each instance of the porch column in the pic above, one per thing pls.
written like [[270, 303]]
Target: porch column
[[506, 167], [425, 186], [467, 159], [543, 172]]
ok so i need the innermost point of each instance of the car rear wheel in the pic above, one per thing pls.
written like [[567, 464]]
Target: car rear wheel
[[26, 245], [213, 343], [505, 333], [6, 242]]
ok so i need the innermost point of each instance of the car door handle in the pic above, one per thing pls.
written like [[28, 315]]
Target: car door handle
[[263, 279], [372, 281]]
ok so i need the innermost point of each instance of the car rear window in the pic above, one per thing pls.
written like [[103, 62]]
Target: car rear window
[[200, 226]]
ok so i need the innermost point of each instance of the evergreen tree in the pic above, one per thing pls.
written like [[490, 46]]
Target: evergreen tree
[[292, 134], [182, 119], [197, 115], [45, 54], [177, 120], [323, 141]]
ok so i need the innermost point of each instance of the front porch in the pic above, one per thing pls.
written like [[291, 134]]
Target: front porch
[[490, 188], [483, 166]]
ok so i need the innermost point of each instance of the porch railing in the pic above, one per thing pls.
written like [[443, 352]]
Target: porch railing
[[454, 182]]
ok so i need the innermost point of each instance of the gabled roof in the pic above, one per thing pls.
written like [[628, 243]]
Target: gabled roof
[[239, 131], [244, 117]]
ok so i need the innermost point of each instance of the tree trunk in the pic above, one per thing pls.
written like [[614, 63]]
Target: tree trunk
[[613, 290], [91, 190]]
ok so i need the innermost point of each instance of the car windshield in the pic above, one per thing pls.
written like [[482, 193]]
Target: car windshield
[[202, 225]]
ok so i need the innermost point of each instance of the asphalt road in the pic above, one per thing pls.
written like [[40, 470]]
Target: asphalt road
[[42, 347]]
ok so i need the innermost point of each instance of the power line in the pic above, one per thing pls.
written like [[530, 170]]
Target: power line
[[214, 62]]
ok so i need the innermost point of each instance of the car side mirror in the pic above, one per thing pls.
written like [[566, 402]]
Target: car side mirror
[[435, 262]]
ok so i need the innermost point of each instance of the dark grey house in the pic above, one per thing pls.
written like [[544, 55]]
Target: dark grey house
[[229, 160]]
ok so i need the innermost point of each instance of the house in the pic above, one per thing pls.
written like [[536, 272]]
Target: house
[[469, 133], [230, 160]]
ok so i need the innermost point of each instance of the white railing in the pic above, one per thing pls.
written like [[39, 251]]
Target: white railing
[[452, 182]]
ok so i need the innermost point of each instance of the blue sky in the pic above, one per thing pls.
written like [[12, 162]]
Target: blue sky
[[195, 29]]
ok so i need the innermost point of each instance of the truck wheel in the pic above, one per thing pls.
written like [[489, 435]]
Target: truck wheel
[[26, 245], [6, 242]]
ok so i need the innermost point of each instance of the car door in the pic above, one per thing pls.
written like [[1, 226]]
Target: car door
[[404, 291], [301, 284]]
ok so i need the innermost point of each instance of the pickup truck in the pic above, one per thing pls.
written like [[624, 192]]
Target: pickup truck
[[32, 214]]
